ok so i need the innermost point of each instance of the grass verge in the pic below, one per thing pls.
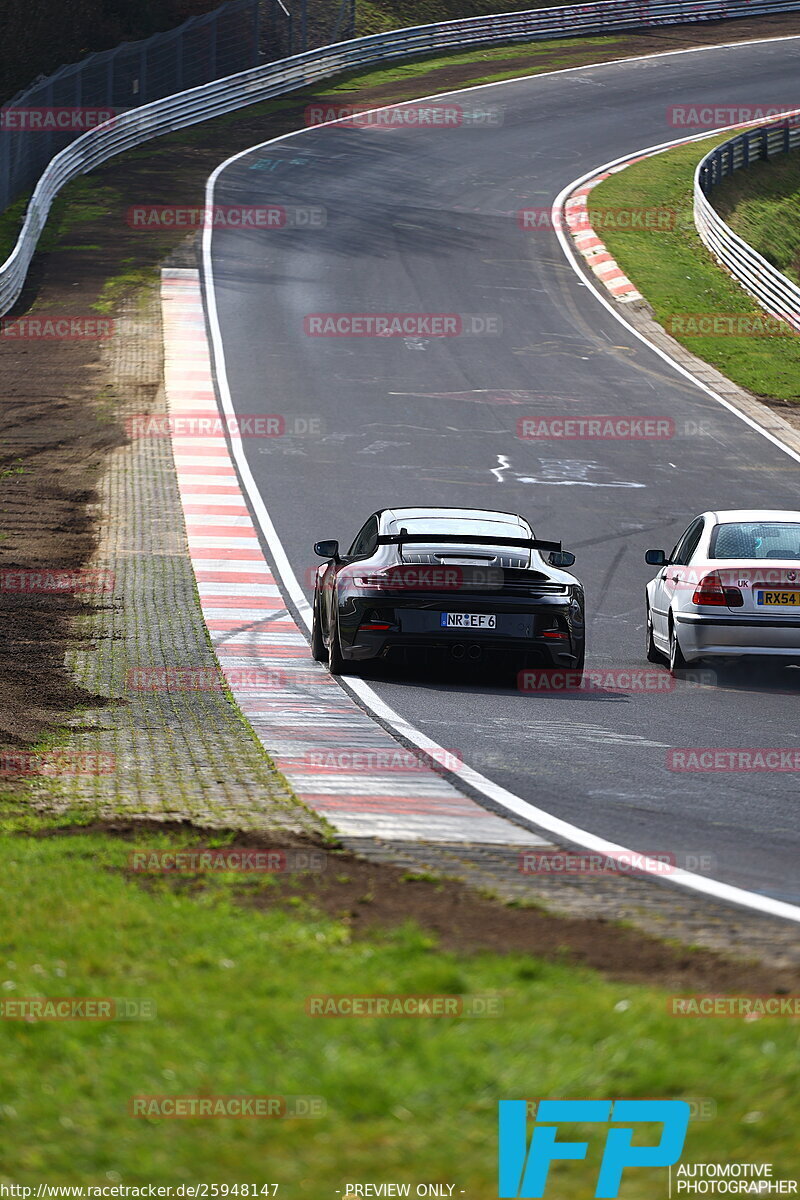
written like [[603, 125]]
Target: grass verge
[[406, 1098], [680, 278]]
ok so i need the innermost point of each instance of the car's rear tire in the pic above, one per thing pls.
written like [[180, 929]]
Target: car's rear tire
[[319, 651], [676, 660], [337, 664], [654, 655]]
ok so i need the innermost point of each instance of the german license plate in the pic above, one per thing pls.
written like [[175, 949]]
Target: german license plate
[[468, 620], [778, 599]]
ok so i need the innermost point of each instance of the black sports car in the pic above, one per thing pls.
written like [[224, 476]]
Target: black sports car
[[457, 582]]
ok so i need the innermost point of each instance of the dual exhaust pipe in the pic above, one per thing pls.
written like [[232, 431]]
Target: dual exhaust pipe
[[459, 652]]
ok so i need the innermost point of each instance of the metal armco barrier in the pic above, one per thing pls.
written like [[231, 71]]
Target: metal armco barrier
[[276, 79], [777, 294]]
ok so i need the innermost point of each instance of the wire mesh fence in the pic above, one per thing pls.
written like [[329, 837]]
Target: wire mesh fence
[[44, 118]]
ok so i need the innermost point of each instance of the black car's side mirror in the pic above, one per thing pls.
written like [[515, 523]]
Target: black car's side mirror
[[561, 558], [327, 549], [656, 558]]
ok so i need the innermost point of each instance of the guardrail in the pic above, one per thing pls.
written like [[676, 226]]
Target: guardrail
[[769, 286], [221, 96]]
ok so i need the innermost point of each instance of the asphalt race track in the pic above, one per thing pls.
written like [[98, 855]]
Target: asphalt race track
[[423, 220]]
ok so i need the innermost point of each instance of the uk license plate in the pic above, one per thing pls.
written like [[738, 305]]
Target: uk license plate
[[468, 621], [774, 599]]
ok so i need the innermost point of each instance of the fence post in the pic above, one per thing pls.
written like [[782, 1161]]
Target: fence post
[[256, 55], [179, 62], [213, 48]]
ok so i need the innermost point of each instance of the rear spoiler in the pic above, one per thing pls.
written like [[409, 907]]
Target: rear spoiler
[[436, 539]]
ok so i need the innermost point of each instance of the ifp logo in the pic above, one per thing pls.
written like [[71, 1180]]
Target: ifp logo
[[523, 1170]]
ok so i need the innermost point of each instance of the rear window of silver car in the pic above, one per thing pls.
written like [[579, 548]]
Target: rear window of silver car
[[756, 539]]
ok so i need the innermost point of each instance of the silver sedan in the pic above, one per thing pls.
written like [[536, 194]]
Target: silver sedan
[[729, 588]]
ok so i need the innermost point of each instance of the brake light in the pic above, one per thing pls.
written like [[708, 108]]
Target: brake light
[[374, 626], [375, 580], [554, 633], [710, 591]]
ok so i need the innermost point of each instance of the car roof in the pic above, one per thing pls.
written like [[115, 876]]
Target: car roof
[[732, 515], [391, 519]]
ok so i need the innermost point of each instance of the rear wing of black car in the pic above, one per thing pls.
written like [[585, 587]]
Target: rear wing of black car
[[463, 539]]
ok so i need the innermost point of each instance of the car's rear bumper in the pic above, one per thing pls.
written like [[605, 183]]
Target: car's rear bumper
[[466, 645], [705, 636], [415, 629]]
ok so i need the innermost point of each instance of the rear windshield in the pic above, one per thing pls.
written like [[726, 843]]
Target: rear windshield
[[461, 525], [756, 539]]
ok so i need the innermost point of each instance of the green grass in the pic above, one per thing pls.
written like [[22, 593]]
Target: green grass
[[678, 276], [762, 204], [407, 1099], [532, 50]]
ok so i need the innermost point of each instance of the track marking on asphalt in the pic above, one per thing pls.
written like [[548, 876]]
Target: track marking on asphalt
[[470, 779], [337, 759]]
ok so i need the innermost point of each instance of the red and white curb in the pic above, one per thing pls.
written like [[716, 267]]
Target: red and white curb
[[592, 248], [339, 760]]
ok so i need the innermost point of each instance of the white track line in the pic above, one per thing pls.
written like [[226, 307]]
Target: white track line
[[374, 704]]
